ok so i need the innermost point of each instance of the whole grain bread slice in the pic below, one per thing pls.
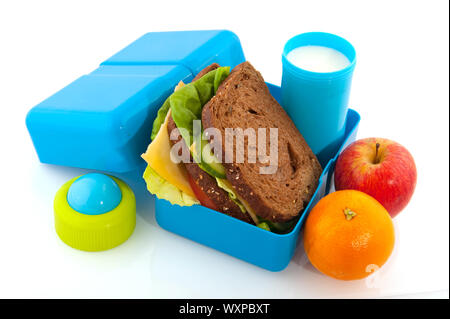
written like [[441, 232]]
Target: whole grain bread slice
[[244, 101]]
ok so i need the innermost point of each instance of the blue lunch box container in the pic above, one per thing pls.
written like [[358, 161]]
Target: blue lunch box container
[[242, 240], [103, 120]]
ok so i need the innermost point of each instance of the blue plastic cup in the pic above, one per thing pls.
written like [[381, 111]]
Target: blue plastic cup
[[318, 102]]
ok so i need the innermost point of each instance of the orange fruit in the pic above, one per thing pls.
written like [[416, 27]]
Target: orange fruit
[[348, 234]]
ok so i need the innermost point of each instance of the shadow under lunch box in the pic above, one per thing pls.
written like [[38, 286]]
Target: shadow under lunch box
[[242, 240]]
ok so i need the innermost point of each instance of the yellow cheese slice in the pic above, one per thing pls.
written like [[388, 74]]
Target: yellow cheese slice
[[158, 158]]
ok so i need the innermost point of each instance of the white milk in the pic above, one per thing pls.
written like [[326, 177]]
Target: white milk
[[316, 58]]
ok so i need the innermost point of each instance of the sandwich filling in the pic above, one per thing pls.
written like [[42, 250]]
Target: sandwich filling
[[164, 178], [171, 181]]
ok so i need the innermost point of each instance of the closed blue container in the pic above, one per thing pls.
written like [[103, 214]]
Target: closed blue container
[[318, 102], [103, 120], [242, 240]]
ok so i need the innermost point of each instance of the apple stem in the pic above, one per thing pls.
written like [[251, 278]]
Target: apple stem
[[377, 160], [349, 214]]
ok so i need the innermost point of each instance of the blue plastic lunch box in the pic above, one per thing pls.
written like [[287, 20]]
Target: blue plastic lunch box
[[103, 121], [239, 239]]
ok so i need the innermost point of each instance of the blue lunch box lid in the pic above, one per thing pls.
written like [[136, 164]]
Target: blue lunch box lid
[[103, 120]]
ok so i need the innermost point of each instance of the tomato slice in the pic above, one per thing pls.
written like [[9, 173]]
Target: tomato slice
[[201, 195]]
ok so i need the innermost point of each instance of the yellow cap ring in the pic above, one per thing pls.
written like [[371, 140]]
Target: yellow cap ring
[[95, 232]]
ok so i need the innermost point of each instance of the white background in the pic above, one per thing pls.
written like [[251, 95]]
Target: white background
[[400, 88]]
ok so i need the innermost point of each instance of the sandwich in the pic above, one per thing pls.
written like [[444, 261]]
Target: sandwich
[[189, 159]]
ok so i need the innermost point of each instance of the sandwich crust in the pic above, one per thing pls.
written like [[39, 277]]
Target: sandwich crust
[[244, 101], [209, 68]]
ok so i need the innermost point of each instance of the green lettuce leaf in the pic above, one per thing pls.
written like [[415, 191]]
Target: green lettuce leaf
[[187, 102], [164, 190], [279, 228], [162, 112]]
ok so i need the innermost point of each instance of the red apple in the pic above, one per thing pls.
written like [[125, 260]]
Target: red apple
[[379, 167]]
